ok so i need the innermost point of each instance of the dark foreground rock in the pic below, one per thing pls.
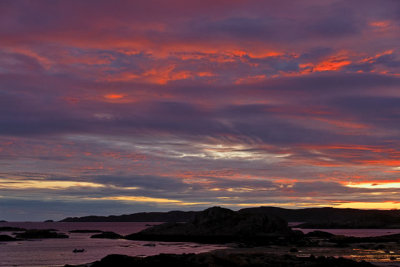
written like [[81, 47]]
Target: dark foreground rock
[[320, 234], [7, 238], [220, 225], [225, 260], [108, 235], [40, 234]]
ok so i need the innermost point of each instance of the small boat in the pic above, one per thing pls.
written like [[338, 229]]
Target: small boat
[[78, 250]]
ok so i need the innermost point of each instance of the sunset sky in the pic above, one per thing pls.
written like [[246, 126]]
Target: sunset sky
[[112, 107]]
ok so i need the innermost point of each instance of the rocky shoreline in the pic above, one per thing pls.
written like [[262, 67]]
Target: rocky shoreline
[[224, 259]]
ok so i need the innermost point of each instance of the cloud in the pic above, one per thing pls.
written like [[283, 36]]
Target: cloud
[[231, 103]]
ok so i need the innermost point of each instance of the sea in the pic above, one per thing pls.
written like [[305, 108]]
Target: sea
[[58, 252]]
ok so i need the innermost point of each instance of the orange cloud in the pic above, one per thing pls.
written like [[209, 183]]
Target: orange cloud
[[150, 200], [373, 58], [114, 96], [380, 24], [383, 26], [332, 64], [344, 124], [354, 155], [386, 205]]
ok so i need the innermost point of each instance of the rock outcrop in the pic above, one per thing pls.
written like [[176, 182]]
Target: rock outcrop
[[107, 235], [40, 234]]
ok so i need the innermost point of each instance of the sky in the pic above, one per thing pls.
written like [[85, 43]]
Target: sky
[[113, 107]]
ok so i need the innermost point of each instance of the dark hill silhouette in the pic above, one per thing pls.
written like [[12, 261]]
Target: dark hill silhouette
[[333, 218], [312, 217]]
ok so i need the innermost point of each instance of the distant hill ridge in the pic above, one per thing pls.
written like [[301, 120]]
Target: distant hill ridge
[[312, 217], [171, 216]]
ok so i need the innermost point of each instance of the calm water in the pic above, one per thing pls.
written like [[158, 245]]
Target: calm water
[[355, 232], [58, 252]]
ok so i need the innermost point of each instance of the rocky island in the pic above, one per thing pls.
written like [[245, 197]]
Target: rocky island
[[26, 234], [108, 235], [40, 234]]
